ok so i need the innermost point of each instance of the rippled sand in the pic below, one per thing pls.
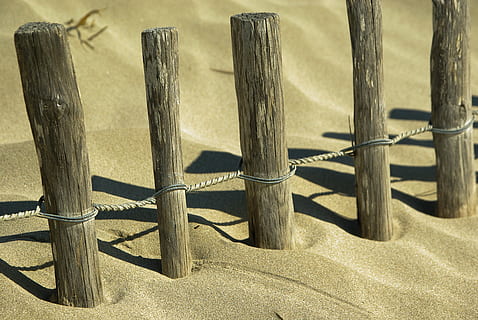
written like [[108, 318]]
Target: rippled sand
[[429, 269]]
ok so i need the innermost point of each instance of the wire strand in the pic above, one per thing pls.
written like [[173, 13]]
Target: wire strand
[[235, 174]]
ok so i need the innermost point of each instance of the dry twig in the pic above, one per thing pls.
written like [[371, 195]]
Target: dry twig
[[83, 23]]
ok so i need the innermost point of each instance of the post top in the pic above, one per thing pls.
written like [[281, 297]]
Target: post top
[[32, 27], [255, 16], [160, 30]]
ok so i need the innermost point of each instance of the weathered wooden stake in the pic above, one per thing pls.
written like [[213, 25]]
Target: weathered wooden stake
[[451, 108], [160, 59], [258, 76], [372, 167], [56, 119]]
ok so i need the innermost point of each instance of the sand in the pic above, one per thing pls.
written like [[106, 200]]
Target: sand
[[429, 269]]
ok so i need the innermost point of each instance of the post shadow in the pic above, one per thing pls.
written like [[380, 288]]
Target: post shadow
[[409, 115], [17, 206], [231, 202], [34, 288], [14, 273], [228, 201], [35, 236], [214, 162], [216, 226], [402, 172], [474, 100], [298, 153], [218, 161], [311, 208], [41, 292], [409, 141], [108, 247], [337, 182], [423, 206], [419, 115], [344, 184]]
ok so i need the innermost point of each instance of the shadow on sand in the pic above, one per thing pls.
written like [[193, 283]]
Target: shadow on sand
[[231, 202]]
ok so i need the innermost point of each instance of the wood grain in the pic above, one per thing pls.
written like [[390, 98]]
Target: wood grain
[[372, 166], [258, 78], [451, 108], [161, 64], [56, 119]]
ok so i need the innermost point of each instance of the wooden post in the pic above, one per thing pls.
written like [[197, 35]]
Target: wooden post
[[56, 119], [258, 76], [372, 167], [160, 60], [451, 108]]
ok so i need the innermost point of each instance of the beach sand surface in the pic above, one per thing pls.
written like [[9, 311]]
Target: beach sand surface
[[429, 270]]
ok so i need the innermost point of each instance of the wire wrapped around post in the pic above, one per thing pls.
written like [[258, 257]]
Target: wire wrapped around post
[[56, 119], [161, 59], [258, 78], [372, 165], [451, 108]]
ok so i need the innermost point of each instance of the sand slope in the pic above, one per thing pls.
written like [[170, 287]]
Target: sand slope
[[429, 269]]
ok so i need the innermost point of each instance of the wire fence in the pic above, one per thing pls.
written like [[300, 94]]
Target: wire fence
[[233, 175]]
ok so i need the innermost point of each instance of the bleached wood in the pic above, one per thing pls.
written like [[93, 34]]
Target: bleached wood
[[160, 59], [258, 77], [56, 119], [451, 108], [372, 166]]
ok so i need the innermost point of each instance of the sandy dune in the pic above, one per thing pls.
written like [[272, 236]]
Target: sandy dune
[[428, 271]]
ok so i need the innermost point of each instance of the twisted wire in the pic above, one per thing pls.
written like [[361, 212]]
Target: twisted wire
[[411, 133], [280, 179], [237, 174], [214, 181], [20, 215], [461, 129], [152, 200], [78, 219], [315, 158], [23, 214]]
